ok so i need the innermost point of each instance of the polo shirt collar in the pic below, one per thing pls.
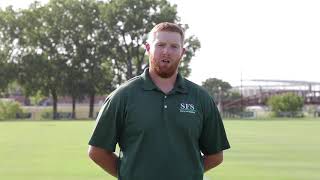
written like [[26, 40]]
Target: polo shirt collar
[[148, 84]]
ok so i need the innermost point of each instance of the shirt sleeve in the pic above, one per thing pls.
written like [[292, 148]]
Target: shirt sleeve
[[213, 138], [108, 124]]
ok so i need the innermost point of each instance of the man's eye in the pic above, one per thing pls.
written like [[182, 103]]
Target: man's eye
[[161, 45]]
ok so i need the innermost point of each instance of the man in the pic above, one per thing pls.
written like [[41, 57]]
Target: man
[[167, 127]]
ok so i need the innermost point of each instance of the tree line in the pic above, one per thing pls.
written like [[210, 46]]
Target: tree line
[[281, 105], [80, 48]]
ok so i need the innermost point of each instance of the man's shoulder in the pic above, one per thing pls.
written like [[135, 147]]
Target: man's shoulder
[[195, 88], [131, 83], [202, 96], [129, 86]]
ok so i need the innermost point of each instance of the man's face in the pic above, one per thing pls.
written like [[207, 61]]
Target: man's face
[[165, 53]]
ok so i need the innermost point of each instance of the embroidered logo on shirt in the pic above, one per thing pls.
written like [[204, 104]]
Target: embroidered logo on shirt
[[188, 108]]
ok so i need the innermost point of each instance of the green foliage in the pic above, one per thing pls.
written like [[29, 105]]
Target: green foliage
[[7, 66], [215, 86], [7, 74], [191, 44], [81, 48], [220, 91], [288, 104], [9, 109], [35, 100], [129, 22], [59, 115]]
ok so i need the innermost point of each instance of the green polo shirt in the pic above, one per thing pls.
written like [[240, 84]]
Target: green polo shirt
[[161, 136]]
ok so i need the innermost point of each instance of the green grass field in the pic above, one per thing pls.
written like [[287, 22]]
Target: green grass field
[[261, 150]]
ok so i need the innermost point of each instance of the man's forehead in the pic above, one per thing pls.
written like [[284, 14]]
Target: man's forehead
[[167, 36]]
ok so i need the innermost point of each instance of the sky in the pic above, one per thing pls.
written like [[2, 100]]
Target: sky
[[249, 39]]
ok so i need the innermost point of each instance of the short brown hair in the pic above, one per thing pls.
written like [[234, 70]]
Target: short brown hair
[[166, 26]]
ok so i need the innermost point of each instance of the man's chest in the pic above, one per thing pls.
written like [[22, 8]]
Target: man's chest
[[177, 114]]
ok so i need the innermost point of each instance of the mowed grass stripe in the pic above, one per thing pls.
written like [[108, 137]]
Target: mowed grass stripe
[[260, 150], [46, 150], [277, 150]]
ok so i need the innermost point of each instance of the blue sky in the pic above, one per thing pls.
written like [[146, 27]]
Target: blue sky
[[258, 39]]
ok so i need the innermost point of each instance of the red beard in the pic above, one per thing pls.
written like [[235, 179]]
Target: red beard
[[162, 69]]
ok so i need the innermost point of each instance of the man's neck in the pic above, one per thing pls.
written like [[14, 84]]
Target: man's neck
[[164, 84]]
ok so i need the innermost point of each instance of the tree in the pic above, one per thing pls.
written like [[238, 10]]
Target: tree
[[7, 37], [42, 62], [67, 44], [288, 104], [86, 42], [7, 72], [191, 44], [216, 86], [130, 21], [9, 109], [220, 91], [77, 48]]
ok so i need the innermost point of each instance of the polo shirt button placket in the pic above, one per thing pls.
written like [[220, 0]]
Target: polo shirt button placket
[[165, 109], [165, 106]]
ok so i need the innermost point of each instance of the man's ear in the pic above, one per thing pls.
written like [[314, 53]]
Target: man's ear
[[183, 51], [147, 47]]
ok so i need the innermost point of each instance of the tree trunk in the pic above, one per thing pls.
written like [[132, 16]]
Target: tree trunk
[[129, 58], [73, 116], [129, 68], [91, 108], [55, 102], [140, 58]]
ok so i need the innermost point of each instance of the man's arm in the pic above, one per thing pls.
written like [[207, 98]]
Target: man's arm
[[212, 160], [105, 159]]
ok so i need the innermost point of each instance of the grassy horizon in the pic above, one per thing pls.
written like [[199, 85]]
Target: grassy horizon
[[260, 149]]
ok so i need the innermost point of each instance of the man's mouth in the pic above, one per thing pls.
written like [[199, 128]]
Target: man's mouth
[[165, 61]]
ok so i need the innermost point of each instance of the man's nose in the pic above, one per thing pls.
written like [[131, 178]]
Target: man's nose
[[166, 50]]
